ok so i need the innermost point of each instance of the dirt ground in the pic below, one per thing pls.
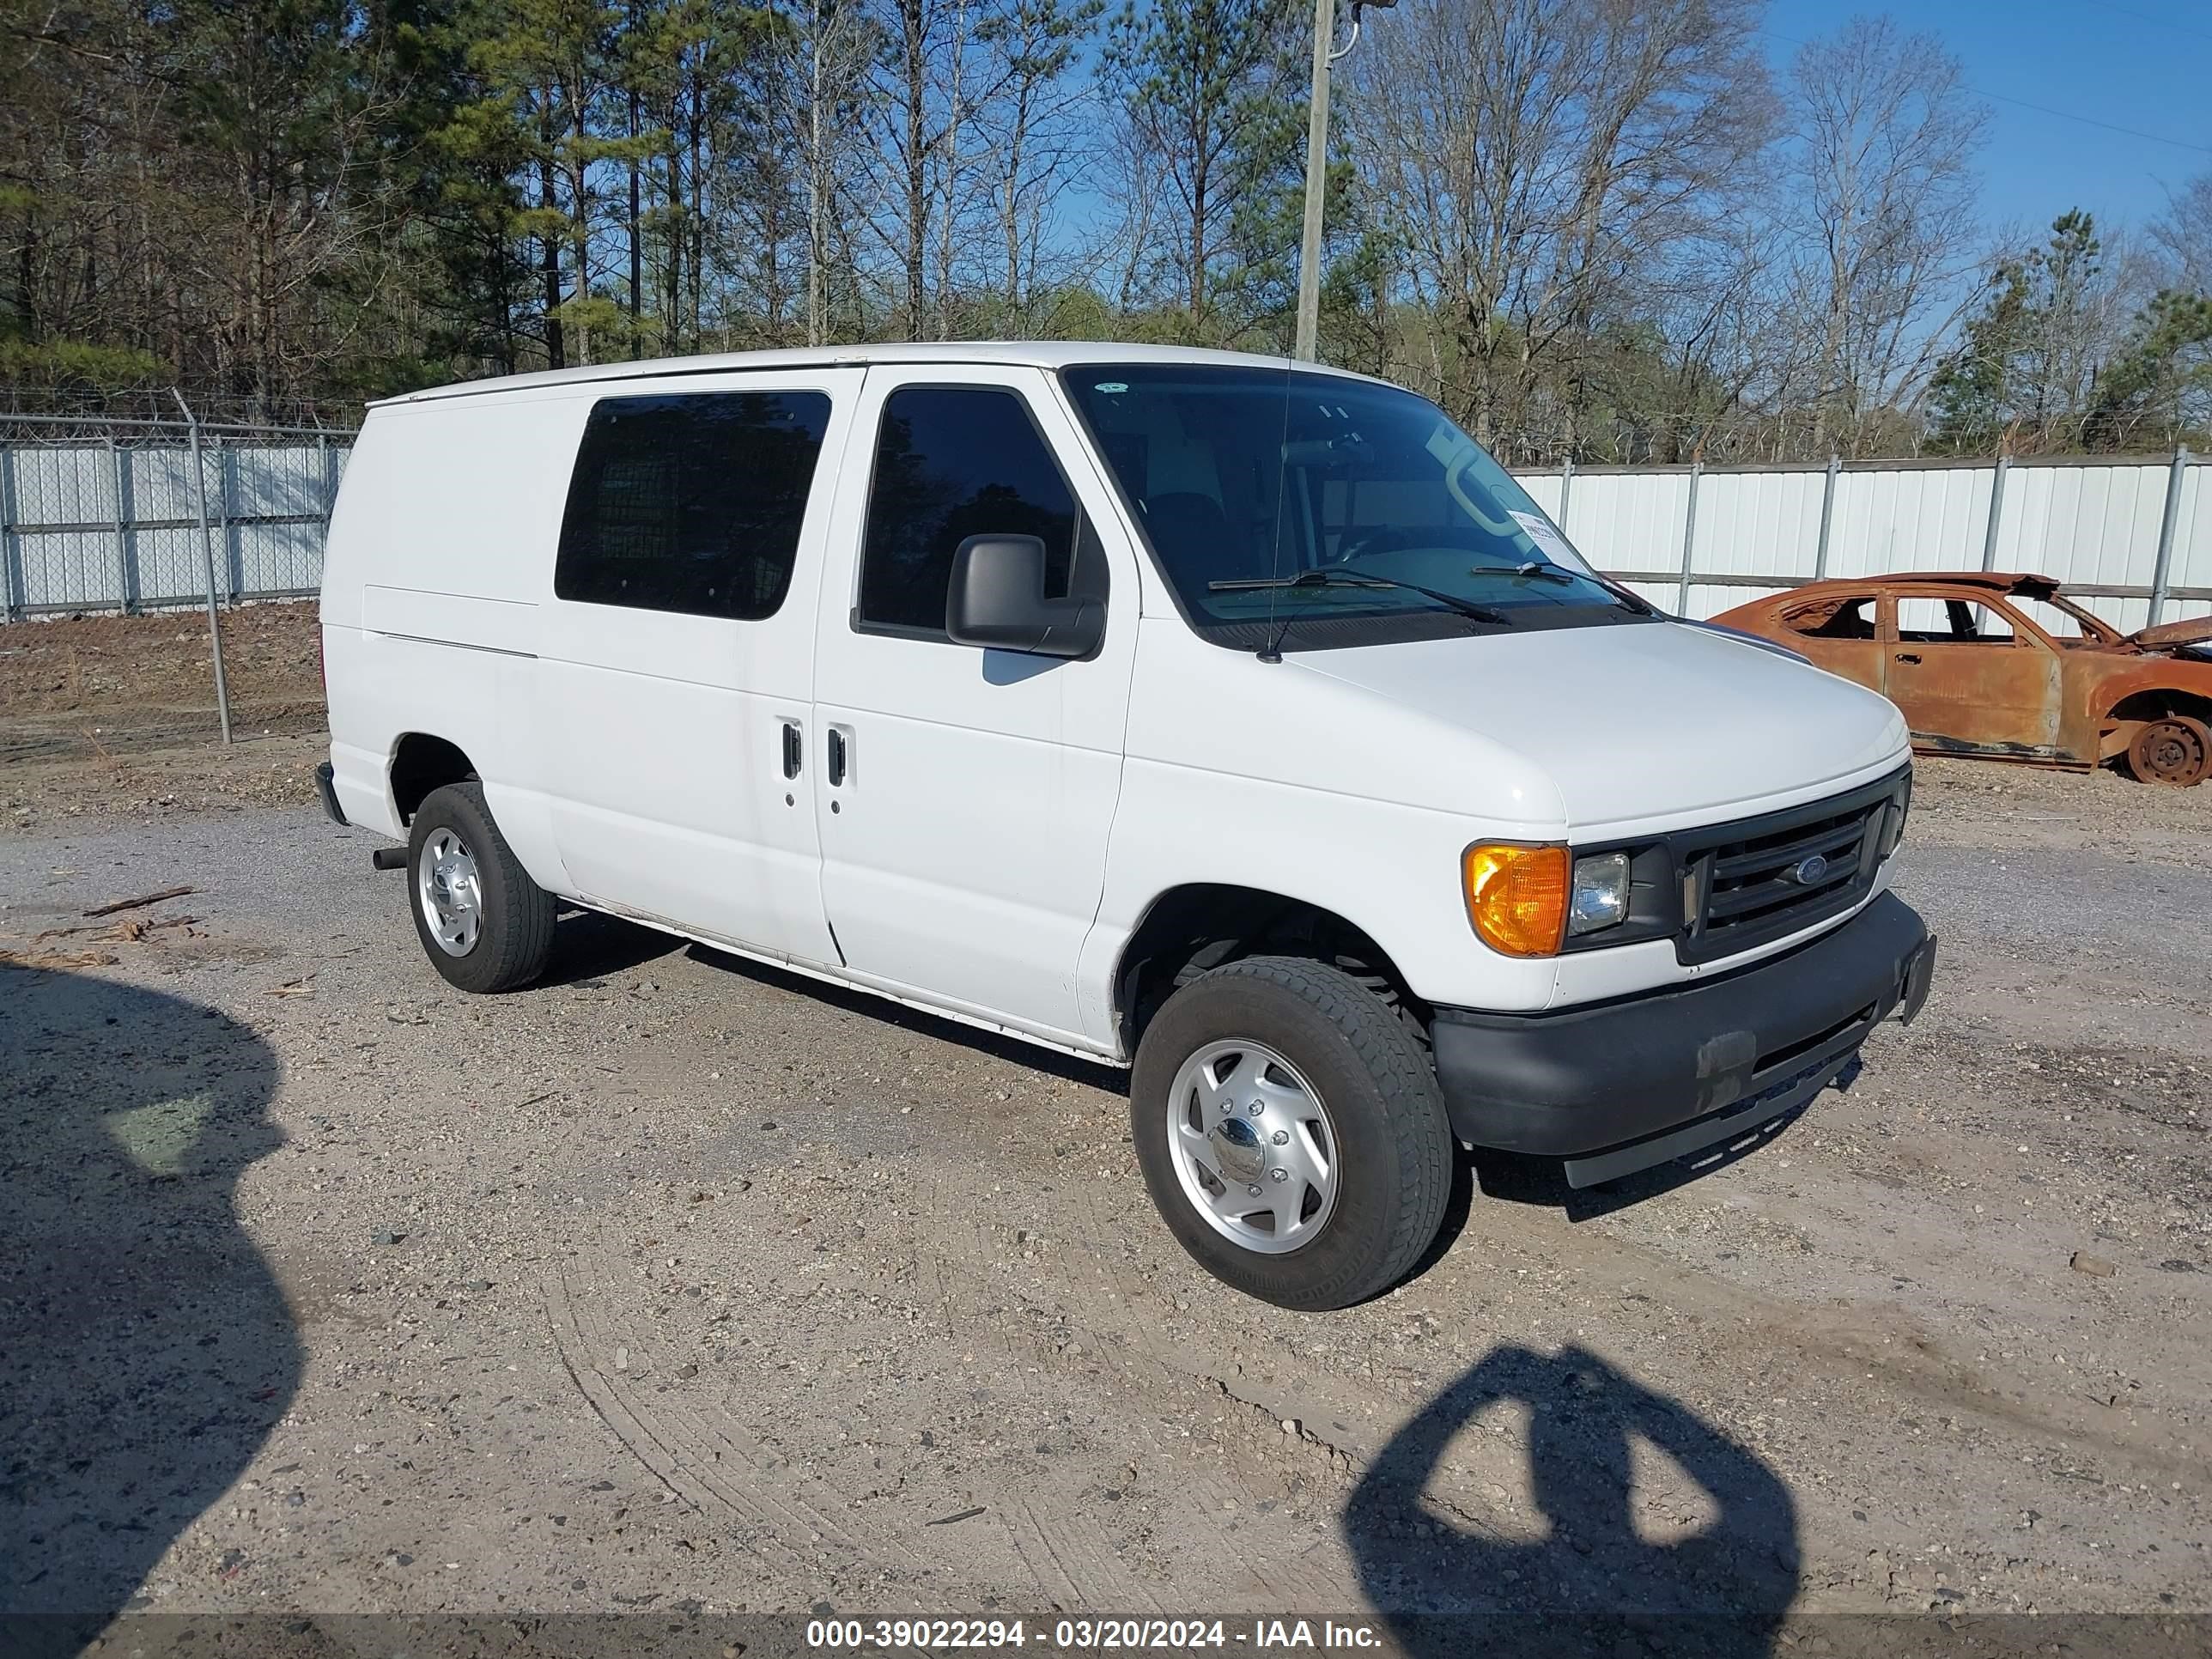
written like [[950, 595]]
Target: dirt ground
[[105, 716], [675, 1290]]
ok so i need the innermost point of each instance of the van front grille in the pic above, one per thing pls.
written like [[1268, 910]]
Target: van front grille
[[1758, 879]]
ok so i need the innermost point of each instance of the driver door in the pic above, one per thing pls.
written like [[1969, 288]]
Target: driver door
[[1969, 673], [965, 794]]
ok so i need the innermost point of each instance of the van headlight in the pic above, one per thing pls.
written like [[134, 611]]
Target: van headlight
[[1535, 900], [1599, 897]]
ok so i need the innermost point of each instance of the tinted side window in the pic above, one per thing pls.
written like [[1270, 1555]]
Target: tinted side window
[[690, 503], [953, 462]]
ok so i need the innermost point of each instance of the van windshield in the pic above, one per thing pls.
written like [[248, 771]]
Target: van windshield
[[1308, 511]]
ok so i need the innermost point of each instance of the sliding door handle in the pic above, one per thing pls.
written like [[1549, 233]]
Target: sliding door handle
[[792, 750], [836, 757]]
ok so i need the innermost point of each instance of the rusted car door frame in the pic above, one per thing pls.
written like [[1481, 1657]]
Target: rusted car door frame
[[1975, 697], [1842, 656]]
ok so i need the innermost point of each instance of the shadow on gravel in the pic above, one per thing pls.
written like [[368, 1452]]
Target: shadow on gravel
[[590, 942], [1071, 1069], [146, 1351], [1590, 1586]]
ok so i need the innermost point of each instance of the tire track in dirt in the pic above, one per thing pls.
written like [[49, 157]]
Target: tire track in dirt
[[803, 1525], [1069, 1556], [689, 1458], [1112, 1365]]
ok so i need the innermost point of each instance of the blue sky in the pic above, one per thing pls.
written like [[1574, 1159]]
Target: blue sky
[[2145, 65]]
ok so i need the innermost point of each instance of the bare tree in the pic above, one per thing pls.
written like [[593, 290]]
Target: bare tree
[[911, 110], [1134, 175], [1035, 149], [1542, 162], [954, 163], [1205, 84], [2184, 237], [826, 51], [1881, 188]]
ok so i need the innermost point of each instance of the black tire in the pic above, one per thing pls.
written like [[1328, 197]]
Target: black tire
[[1395, 1150], [514, 937]]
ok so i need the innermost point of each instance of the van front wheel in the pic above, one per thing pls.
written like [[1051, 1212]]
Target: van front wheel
[[1290, 1132], [484, 924]]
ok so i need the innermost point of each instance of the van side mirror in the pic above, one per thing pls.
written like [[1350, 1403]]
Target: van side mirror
[[996, 599]]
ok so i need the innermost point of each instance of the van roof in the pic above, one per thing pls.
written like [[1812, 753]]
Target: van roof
[[1033, 354]]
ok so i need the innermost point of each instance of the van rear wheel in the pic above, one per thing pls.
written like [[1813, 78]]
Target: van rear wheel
[[483, 923], [1290, 1132]]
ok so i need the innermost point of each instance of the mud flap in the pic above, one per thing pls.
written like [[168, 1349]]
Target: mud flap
[[1919, 974], [326, 788]]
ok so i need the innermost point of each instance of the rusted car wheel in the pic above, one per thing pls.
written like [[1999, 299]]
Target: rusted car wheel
[[2173, 750]]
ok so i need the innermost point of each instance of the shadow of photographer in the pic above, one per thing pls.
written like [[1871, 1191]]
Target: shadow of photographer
[[146, 1349], [1591, 1585]]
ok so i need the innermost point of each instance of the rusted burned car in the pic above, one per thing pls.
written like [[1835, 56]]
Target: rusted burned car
[[2006, 666]]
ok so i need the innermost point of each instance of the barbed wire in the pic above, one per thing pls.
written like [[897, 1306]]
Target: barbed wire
[[1794, 438], [159, 405]]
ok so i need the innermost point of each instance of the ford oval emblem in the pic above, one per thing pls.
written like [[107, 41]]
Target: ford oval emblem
[[1805, 872]]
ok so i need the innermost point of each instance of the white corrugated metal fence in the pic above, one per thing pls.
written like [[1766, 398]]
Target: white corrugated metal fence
[[98, 515], [112, 519], [2130, 537]]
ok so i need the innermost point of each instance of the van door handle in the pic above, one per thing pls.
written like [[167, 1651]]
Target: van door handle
[[791, 751], [1906, 656], [836, 757]]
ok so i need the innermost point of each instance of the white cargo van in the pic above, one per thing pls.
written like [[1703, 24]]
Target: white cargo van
[[1239, 721]]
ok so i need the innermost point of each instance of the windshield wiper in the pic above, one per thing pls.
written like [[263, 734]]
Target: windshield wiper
[[1550, 572], [1566, 578], [1482, 613]]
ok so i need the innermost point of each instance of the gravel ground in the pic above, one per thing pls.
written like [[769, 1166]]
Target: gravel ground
[[676, 1284]]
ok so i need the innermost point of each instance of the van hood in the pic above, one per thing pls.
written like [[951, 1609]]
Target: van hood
[[1642, 726]]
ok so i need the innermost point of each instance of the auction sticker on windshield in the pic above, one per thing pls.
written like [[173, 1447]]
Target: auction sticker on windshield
[[1549, 542]]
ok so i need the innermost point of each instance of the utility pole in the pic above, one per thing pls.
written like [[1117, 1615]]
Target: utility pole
[[1325, 52]]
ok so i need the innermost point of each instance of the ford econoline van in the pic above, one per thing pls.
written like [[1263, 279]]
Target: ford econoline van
[[1236, 721]]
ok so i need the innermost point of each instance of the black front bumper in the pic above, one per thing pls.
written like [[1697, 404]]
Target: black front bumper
[[1619, 1086]]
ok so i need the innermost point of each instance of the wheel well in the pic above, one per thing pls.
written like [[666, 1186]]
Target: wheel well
[[420, 763], [1189, 930], [2149, 705]]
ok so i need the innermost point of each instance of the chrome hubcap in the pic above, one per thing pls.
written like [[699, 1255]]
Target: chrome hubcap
[[451, 897], [1252, 1147]]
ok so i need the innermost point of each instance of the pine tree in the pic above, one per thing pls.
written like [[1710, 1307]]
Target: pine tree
[[1212, 86], [2027, 367], [2160, 385]]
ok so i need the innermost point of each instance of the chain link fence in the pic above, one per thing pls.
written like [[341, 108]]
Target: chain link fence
[[101, 513], [134, 514], [108, 513]]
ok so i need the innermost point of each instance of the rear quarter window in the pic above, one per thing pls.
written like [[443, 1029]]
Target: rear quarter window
[[690, 503]]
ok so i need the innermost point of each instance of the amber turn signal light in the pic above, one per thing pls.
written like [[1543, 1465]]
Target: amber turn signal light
[[1516, 896]]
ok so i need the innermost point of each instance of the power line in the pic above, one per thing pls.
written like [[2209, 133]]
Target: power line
[[2092, 121], [2164, 23], [2046, 109]]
